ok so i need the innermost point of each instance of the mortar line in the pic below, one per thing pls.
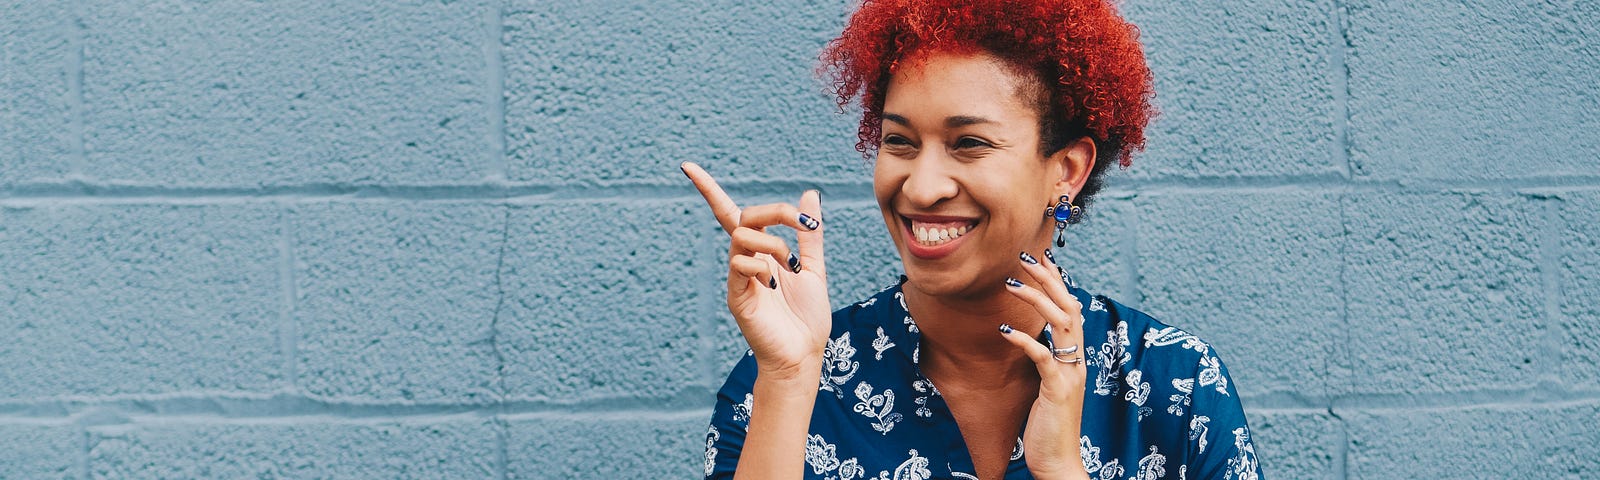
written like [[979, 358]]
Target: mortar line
[[1550, 251], [1130, 254], [1343, 452], [502, 431], [80, 192], [287, 408], [78, 40], [494, 29], [288, 330], [1339, 49]]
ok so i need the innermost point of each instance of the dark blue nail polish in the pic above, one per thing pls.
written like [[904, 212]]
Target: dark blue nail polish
[[772, 283], [1049, 256], [794, 263], [683, 169], [1012, 282], [808, 222], [1005, 328], [1029, 259]]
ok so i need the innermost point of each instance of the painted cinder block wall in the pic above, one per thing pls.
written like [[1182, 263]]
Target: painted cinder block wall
[[448, 239]]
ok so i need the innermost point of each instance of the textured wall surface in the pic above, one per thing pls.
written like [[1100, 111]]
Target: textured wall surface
[[448, 239]]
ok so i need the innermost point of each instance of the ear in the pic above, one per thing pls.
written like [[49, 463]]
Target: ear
[[1075, 163]]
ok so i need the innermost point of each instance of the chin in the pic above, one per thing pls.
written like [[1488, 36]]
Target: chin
[[946, 282]]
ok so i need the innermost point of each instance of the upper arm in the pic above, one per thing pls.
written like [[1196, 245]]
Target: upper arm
[[730, 418], [1219, 436]]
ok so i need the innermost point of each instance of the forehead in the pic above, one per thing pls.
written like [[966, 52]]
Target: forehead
[[942, 84]]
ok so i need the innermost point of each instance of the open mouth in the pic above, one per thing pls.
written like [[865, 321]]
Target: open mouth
[[933, 237]]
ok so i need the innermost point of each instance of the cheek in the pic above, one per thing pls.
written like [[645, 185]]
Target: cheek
[[886, 181]]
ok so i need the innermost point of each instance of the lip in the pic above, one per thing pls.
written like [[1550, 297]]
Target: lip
[[934, 252]]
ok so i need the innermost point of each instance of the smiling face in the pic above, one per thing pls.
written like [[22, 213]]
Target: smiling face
[[960, 177]]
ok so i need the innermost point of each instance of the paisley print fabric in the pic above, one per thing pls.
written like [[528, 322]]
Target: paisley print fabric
[[1158, 404]]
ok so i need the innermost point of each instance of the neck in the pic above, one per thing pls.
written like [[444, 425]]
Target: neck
[[961, 336]]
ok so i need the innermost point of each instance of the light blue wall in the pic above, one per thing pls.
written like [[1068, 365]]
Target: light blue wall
[[448, 239]]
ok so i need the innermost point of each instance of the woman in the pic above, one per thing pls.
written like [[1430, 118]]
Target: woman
[[986, 360]]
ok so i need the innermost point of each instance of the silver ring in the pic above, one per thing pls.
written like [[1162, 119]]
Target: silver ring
[[1077, 359], [1063, 351]]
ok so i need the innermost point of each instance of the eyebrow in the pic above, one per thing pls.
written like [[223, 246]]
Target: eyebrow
[[957, 121]]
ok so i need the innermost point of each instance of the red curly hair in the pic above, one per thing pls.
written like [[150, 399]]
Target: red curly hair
[[1102, 86]]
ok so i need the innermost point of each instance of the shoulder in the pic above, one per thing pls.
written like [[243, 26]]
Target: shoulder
[[1133, 355], [1148, 342]]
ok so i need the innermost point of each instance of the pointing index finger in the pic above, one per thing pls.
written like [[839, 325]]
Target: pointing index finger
[[723, 207]]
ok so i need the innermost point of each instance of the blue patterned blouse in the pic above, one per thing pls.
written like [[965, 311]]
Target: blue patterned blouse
[[1160, 404]]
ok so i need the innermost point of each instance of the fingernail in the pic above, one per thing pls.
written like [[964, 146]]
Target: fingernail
[[1029, 259], [1049, 256], [808, 222], [1012, 282], [772, 283], [1005, 328], [794, 263], [683, 169]]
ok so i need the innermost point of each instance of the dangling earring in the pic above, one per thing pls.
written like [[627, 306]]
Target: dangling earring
[[1064, 213]]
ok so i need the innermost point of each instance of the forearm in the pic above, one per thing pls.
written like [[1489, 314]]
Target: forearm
[[775, 444]]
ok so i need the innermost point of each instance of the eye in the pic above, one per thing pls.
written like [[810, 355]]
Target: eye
[[970, 142], [896, 140]]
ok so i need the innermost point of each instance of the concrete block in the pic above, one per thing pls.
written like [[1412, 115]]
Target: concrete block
[[1096, 252], [135, 299], [446, 449], [1579, 278], [264, 93], [41, 451], [617, 90], [1443, 294], [607, 299], [656, 446], [1297, 444], [1473, 90], [1511, 441], [1254, 274], [37, 136], [1245, 88], [395, 301]]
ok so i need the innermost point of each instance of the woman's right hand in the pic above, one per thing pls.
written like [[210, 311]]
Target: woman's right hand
[[783, 312]]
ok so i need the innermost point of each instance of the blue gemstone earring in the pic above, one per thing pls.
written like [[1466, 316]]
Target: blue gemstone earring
[[1064, 212]]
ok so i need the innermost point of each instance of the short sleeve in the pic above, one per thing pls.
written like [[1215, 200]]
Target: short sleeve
[[730, 419], [1220, 445]]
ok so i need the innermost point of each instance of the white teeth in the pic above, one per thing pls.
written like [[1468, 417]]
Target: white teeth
[[935, 236]]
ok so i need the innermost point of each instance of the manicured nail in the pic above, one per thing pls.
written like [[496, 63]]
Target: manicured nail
[[683, 169], [1005, 328], [1049, 256], [808, 222], [1012, 282], [772, 283], [794, 263], [1029, 259]]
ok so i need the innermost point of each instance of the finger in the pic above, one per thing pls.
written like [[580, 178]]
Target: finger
[[762, 216], [1041, 303], [810, 242], [1030, 347], [722, 206], [747, 241], [1044, 275], [744, 269]]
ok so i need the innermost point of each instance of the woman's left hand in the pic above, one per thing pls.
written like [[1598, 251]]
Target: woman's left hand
[[1054, 423]]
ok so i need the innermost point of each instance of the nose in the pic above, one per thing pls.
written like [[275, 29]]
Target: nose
[[929, 182]]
